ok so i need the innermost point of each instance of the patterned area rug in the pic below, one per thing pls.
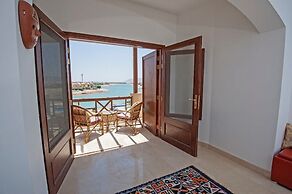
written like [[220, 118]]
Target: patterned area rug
[[189, 180]]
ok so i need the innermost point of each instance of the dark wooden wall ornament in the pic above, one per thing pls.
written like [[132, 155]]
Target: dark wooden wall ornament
[[29, 24]]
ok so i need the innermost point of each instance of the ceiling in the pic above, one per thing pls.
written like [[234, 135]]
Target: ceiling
[[170, 6], [260, 12]]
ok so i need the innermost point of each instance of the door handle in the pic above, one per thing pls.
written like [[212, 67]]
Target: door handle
[[199, 101], [196, 100]]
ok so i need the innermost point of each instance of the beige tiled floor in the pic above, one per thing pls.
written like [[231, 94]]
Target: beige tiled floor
[[115, 170], [108, 141]]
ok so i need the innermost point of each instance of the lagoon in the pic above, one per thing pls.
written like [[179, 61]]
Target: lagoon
[[112, 90]]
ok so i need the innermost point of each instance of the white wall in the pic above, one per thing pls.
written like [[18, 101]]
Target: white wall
[[112, 18], [245, 93], [242, 80], [22, 164], [283, 8], [260, 12]]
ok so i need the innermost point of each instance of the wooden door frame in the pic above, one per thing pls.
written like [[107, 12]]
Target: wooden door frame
[[197, 90], [157, 89], [191, 51], [111, 40], [132, 43], [167, 87], [135, 44], [43, 18], [70, 96], [48, 153]]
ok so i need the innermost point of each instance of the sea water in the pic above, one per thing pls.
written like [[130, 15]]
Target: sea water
[[112, 90]]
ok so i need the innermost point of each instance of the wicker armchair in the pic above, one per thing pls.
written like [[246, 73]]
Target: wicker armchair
[[85, 118], [131, 116]]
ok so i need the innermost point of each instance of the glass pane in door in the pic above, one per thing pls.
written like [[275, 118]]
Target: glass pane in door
[[55, 85], [180, 70]]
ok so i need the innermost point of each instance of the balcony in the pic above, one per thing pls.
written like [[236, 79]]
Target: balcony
[[105, 136], [99, 105]]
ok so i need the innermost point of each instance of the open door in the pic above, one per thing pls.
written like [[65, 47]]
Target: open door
[[150, 87], [54, 97], [182, 80]]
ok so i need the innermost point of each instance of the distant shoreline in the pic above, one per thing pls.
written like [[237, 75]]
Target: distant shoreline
[[78, 93]]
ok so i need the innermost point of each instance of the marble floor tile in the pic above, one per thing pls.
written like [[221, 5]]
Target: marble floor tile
[[145, 157]]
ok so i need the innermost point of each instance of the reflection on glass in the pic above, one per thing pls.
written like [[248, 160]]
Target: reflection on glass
[[54, 71], [180, 83]]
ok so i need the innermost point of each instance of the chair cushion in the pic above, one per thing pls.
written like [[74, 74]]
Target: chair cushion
[[287, 142], [286, 154], [94, 120], [82, 120], [124, 116]]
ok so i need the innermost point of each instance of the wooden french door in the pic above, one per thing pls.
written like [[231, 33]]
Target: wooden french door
[[54, 97], [150, 86], [182, 79]]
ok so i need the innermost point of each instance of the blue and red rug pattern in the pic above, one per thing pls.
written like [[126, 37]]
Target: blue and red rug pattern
[[189, 180]]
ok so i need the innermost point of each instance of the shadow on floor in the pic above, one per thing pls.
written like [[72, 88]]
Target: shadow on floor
[[108, 141]]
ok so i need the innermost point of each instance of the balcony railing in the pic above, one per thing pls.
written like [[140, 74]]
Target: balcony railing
[[104, 104]]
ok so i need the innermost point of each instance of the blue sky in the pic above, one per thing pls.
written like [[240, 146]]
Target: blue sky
[[103, 63]]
